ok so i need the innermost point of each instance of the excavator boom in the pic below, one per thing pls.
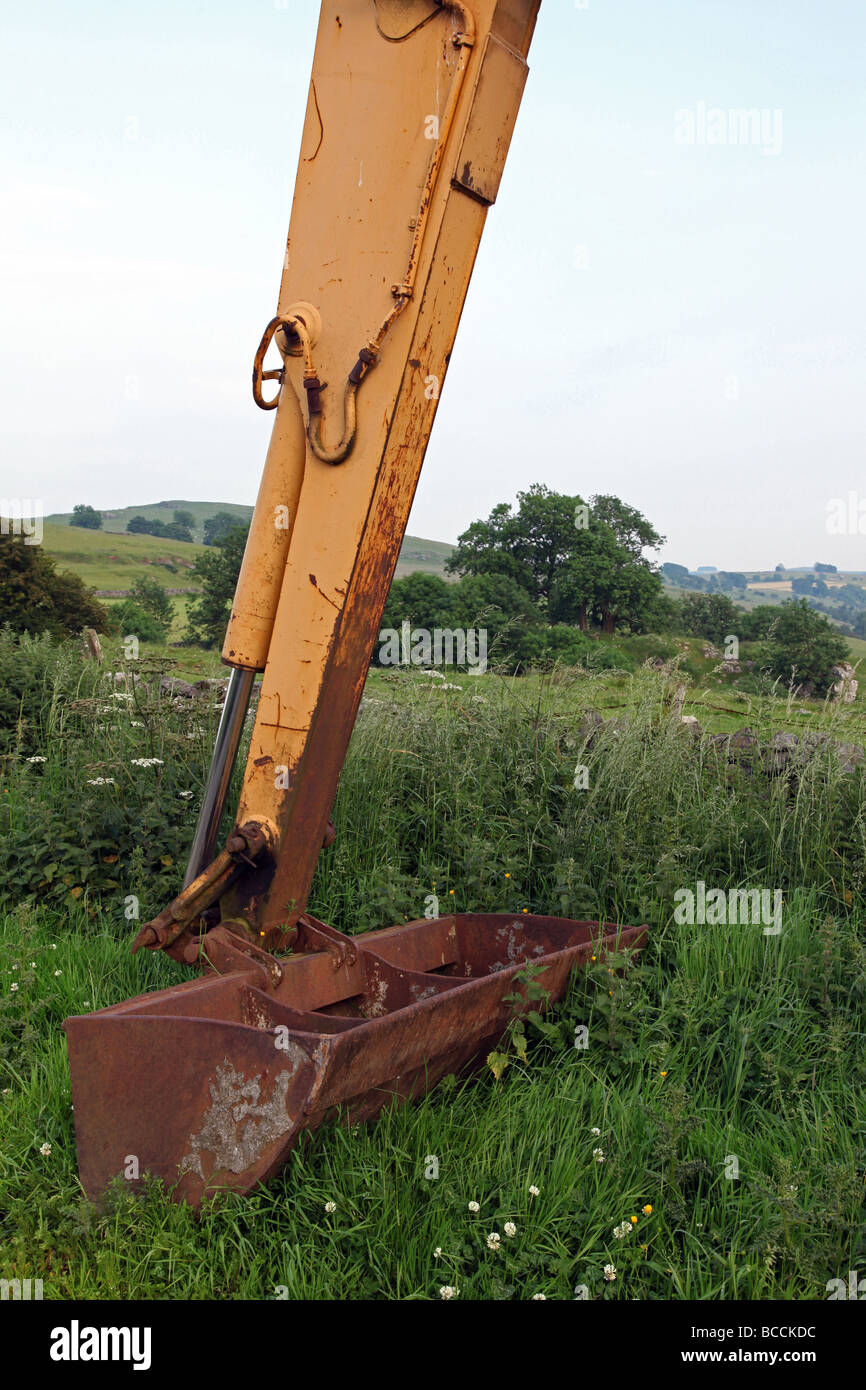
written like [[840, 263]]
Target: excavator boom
[[410, 113]]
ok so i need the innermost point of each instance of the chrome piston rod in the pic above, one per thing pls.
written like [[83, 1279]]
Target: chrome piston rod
[[219, 775]]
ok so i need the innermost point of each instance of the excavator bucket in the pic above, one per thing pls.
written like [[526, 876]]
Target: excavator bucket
[[208, 1085]]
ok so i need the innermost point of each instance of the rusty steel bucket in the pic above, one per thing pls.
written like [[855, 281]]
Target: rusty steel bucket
[[208, 1084]]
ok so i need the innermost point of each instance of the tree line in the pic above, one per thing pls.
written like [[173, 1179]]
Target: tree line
[[546, 579], [180, 528]]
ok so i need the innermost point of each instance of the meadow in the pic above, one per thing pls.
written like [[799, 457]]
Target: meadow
[[112, 560], [707, 1144]]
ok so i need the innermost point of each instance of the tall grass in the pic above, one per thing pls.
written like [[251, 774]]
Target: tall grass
[[725, 1069]]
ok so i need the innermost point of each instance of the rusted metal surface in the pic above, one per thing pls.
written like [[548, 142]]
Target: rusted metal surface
[[170, 930], [209, 1084], [259, 373]]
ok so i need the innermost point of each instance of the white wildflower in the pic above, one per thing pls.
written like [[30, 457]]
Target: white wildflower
[[598, 1155], [330, 1207], [100, 781], [510, 1229], [533, 1190], [624, 1229], [437, 1252], [57, 972], [494, 1240], [448, 1291], [45, 1150], [35, 759], [539, 1298], [13, 988], [610, 1273], [595, 1131], [473, 1206], [147, 762], [185, 796]]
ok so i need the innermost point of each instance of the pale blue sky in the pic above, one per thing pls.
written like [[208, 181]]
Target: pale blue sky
[[699, 308]]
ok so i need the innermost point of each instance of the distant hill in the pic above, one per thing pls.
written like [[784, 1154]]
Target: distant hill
[[114, 519], [111, 561], [427, 556]]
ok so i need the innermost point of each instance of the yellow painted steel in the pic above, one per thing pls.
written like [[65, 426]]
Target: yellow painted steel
[[248, 636], [411, 108]]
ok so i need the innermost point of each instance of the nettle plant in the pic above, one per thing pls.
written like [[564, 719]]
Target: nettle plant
[[602, 1005], [514, 1041]]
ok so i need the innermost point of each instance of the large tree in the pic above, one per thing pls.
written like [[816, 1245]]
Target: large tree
[[631, 528], [528, 545], [35, 598], [577, 562]]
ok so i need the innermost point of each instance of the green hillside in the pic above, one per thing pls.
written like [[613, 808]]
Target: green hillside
[[115, 519], [427, 556], [112, 560], [106, 560]]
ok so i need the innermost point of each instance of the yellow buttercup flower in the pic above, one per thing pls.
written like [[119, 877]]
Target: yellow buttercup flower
[[647, 1211]]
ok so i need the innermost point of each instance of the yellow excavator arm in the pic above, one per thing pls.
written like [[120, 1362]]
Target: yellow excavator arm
[[208, 1084], [411, 108]]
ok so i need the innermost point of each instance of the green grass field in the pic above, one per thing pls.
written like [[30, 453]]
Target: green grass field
[[108, 559], [115, 521], [724, 1079], [717, 1086]]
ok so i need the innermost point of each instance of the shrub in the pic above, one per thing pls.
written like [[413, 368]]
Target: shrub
[[36, 598], [131, 619], [803, 645]]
